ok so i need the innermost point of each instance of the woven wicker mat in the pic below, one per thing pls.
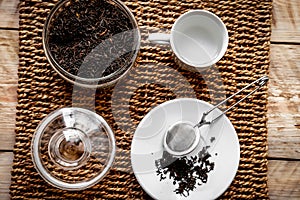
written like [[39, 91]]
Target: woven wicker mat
[[154, 80]]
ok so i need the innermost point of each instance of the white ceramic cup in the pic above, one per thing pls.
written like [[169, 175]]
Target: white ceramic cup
[[198, 38]]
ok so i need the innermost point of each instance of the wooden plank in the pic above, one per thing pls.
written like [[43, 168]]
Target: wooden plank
[[8, 87], [7, 125], [6, 159], [8, 73], [286, 21], [284, 179], [9, 14], [9, 46], [284, 102]]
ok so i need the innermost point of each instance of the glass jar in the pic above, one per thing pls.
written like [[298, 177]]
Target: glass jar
[[91, 43]]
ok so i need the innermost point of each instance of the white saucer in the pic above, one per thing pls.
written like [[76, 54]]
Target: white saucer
[[147, 146]]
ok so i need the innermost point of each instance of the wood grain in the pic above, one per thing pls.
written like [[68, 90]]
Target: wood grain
[[284, 179], [286, 21], [8, 86], [9, 14], [6, 159], [9, 47], [7, 125], [284, 102]]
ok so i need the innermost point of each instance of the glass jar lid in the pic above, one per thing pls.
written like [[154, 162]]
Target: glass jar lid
[[73, 148]]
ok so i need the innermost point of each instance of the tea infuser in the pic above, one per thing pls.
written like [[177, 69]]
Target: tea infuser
[[183, 137]]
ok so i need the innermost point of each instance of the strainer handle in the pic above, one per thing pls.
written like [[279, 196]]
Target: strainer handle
[[261, 82]]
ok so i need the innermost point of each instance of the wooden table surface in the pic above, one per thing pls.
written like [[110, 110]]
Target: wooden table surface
[[283, 107]]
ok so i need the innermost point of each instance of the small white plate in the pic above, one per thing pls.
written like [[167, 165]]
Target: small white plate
[[147, 146]]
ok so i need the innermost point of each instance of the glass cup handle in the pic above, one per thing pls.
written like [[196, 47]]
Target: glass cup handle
[[159, 38]]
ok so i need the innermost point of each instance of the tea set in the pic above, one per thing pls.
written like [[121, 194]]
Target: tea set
[[74, 139]]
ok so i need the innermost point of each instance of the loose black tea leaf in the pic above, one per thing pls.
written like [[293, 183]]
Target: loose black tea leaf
[[92, 38], [186, 172]]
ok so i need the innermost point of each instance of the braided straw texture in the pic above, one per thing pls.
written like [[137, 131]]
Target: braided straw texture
[[153, 80]]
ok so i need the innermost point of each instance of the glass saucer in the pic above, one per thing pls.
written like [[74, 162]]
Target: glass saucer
[[73, 148]]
